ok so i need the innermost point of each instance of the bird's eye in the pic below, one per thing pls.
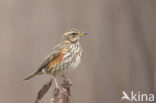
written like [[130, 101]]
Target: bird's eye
[[74, 33]]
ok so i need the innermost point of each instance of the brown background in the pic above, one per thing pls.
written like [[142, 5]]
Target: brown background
[[119, 50]]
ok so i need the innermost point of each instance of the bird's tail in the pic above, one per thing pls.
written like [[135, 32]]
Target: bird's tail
[[31, 76]]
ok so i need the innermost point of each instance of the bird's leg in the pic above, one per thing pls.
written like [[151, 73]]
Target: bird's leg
[[56, 84]]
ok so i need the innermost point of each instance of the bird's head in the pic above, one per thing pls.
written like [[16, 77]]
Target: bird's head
[[73, 36]]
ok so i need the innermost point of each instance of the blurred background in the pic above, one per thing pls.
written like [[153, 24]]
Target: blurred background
[[119, 50]]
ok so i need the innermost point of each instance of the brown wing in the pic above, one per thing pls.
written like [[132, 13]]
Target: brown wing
[[53, 55], [50, 60]]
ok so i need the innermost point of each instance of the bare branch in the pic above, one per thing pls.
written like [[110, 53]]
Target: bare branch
[[63, 93]]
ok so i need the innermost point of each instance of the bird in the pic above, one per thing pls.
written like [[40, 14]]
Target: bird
[[63, 57]]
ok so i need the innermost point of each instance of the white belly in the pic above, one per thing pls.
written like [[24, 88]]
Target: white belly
[[74, 56], [77, 62]]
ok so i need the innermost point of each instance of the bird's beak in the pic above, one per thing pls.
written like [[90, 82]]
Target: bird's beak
[[82, 34]]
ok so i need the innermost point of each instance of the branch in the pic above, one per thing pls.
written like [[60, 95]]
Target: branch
[[61, 94]]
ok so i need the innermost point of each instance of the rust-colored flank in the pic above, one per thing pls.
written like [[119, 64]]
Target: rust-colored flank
[[54, 62]]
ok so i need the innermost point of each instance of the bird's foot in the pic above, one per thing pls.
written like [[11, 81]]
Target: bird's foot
[[56, 84]]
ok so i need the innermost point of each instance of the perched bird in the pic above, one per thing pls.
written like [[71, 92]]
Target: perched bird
[[65, 56]]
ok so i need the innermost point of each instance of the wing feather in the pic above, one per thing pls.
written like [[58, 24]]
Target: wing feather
[[54, 54]]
